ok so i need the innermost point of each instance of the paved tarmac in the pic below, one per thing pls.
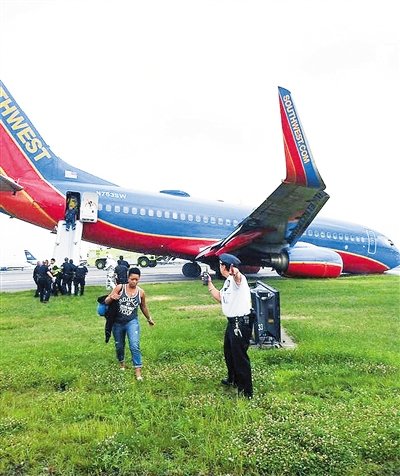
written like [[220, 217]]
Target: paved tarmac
[[17, 280]]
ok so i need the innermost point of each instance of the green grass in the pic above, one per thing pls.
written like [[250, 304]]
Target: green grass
[[329, 407]]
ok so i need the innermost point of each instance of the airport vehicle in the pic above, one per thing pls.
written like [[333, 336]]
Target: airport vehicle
[[98, 258], [282, 233]]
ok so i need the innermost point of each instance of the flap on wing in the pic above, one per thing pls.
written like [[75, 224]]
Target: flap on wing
[[7, 184], [280, 220]]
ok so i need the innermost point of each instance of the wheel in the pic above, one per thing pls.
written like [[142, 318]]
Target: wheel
[[152, 263], [143, 261], [191, 270], [100, 263]]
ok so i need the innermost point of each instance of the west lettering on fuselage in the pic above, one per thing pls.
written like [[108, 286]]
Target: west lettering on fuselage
[[26, 135]]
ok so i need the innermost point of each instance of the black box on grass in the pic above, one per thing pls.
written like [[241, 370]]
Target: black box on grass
[[267, 313]]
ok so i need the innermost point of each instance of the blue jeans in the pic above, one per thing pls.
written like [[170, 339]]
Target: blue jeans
[[132, 330]]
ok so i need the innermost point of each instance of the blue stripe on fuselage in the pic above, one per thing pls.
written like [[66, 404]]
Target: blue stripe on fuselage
[[209, 220]]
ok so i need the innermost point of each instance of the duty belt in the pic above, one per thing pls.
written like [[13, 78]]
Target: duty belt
[[239, 319]]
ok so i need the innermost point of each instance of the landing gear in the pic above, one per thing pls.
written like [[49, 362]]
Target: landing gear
[[191, 270]]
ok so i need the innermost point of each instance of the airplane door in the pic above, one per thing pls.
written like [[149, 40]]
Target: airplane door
[[371, 242], [89, 207]]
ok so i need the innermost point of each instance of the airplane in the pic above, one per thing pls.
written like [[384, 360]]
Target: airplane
[[282, 233], [13, 259]]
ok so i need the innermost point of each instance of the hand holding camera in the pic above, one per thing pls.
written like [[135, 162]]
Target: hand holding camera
[[205, 277]]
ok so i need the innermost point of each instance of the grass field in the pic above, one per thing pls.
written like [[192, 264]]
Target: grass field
[[329, 407]]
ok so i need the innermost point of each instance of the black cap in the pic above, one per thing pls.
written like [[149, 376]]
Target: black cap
[[228, 259]]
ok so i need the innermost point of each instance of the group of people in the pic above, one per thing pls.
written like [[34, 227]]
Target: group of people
[[235, 298], [52, 280]]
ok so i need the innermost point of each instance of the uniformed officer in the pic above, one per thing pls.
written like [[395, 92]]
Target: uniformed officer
[[235, 298], [80, 279], [45, 278]]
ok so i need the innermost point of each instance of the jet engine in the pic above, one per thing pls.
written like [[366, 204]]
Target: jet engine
[[308, 261]]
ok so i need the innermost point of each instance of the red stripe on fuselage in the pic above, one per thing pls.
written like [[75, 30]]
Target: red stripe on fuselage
[[357, 264], [295, 172]]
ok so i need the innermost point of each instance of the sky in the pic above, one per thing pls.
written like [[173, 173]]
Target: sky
[[183, 95]]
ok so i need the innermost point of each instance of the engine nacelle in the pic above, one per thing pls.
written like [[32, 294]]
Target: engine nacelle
[[309, 261], [246, 269]]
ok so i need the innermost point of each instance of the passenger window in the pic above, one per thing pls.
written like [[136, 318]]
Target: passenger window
[[322, 234], [143, 211], [235, 223], [100, 207], [228, 222], [190, 217], [182, 216], [220, 221], [205, 219], [198, 218], [151, 212], [213, 220], [134, 211], [166, 214], [125, 209], [117, 208], [159, 213], [174, 215], [334, 236], [108, 208]]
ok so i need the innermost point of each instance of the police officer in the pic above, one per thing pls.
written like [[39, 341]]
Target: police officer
[[121, 272], [45, 278], [68, 269], [235, 298], [79, 279], [36, 277], [123, 262]]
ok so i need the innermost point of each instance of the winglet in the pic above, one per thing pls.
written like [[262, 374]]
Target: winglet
[[300, 166]]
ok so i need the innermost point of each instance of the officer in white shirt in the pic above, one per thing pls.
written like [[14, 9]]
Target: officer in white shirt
[[235, 298]]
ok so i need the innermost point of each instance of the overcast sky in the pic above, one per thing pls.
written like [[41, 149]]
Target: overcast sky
[[183, 94]]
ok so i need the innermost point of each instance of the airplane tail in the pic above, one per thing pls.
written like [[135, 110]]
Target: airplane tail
[[25, 156], [29, 257], [300, 165]]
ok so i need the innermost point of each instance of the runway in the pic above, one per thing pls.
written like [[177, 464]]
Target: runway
[[17, 280]]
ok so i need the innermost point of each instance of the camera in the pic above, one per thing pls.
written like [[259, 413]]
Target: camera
[[204, 277]]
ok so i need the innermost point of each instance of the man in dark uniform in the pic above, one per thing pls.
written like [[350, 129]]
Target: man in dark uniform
[[123, 262], [36, 277], [121, 272], [45, 278], [235, 298], [79, 279], [68, 269]]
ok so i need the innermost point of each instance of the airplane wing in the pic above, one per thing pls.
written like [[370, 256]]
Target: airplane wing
[[7, 184], [282, 218]]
